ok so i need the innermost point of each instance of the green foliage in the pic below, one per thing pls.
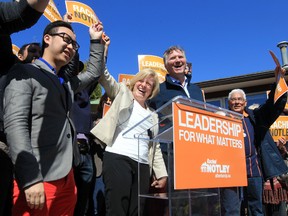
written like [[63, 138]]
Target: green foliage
[[97, 93]]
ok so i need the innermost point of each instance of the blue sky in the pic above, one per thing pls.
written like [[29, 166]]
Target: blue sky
[[221, 38]]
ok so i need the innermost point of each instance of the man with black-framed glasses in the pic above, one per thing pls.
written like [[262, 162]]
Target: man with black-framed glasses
[[40, 133]]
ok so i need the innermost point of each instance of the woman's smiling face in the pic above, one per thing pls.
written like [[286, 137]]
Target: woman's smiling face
[[143, 89]]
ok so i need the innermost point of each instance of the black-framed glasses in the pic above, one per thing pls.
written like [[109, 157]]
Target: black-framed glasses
[[67, 39]]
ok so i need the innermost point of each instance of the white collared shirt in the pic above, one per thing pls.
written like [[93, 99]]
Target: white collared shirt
[[177, 82]]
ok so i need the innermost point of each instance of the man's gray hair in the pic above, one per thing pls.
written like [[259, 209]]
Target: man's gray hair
[[170, 50], [240, 91]]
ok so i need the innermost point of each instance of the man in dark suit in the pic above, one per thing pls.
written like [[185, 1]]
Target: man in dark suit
[[263, 160], [177, 82], [39, 131]]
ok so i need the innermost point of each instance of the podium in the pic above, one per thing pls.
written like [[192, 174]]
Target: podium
[[203, 149]]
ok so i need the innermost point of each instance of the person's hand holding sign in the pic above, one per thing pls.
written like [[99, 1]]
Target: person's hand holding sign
[[279, 71], [96, 31], [280, 81], [67, 17], [105, 40]]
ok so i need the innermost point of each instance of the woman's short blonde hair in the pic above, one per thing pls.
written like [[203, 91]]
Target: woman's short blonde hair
[[142, 75]]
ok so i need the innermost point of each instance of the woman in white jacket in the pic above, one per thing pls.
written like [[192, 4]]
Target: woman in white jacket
[[122, 154]]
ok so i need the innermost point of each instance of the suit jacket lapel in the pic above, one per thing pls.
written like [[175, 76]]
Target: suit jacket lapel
[[68, 98], [54, 79]]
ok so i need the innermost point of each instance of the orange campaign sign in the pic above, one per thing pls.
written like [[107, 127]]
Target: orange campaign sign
[[15, 49], [208, 149], [125, 78], [51, 12], [281, 86], [154, 62], [279, 128], [81, 13]]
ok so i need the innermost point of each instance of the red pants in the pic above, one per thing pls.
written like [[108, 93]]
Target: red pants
[[60, 198]]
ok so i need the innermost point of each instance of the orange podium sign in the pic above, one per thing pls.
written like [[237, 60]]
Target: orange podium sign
[[208, 149]]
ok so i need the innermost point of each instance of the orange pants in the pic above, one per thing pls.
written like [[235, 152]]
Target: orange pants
[[60, 198]]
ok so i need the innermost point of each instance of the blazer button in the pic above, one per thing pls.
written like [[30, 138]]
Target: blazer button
[[68, 135]]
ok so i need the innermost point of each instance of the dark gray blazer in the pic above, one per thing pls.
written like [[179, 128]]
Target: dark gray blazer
[[39, 131]]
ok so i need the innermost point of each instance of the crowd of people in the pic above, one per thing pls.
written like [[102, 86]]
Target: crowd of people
[[56, 159]]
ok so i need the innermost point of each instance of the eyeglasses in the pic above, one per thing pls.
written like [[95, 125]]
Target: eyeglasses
[[240, 99], [67, 39]]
